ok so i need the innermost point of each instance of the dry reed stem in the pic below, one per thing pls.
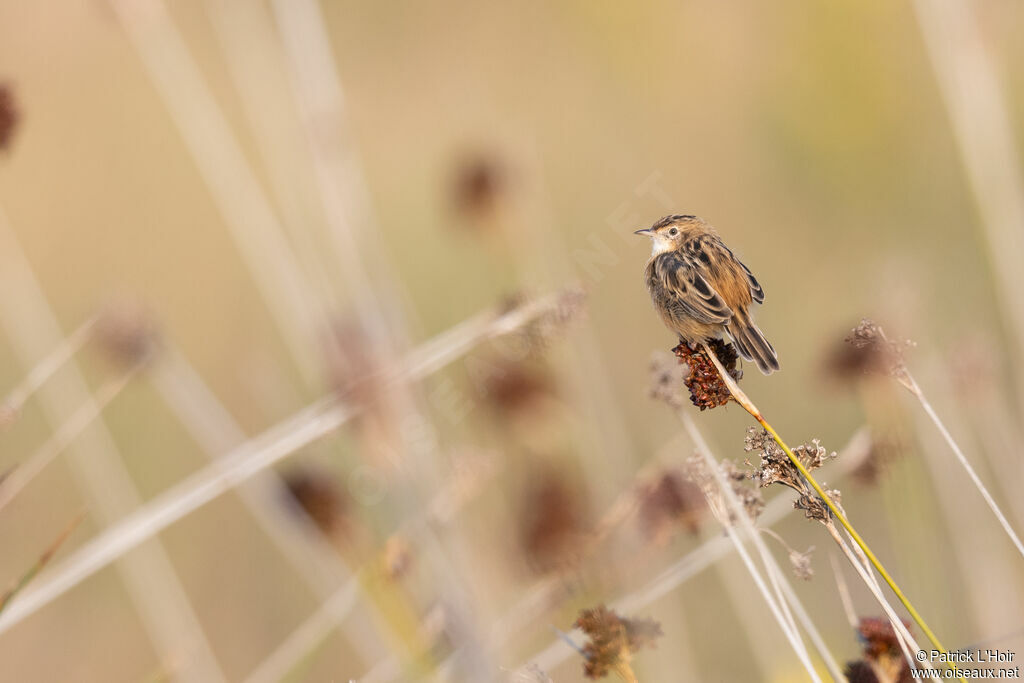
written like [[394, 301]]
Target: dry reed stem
[[256, 63], [255, 455], [44, 369], [338, 606], [149, 577], [843, 589], [344, 198], [64, 436], [980, 114], [962, 459], [777, 603], [214, 429], [908, 644], [749, 406], [44, 559], [247, 213]]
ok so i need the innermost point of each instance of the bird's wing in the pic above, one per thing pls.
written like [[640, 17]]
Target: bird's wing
[[687, 289], [755, 287], [698, 252]]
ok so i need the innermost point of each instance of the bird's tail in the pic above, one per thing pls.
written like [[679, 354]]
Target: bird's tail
[[751, 344]]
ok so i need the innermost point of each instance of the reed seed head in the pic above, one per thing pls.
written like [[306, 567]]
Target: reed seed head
[[613, 640], [8, 116]]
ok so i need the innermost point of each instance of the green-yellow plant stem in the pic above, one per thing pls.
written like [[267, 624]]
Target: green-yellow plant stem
[[749, 406]]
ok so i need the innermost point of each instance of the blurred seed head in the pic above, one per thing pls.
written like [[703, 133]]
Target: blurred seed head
[[883, 660], [882, 453], [801, 563], [351, 363], [668, 503], [536, 336], [8, 115], [868, 351], [479, 185], [696, 470], [318, 495], [552, 529], [127, 333], [517, 386], [397, 557], [667, 375], [612, 640]]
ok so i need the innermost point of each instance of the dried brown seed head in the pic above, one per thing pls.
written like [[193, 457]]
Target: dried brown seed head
[[612, 639], [552, 530], [668, 503], [480, 183], [127, 332], [707, 388], [8, 116], [883, 660], [696, 470], [801, 562], [317, 494]]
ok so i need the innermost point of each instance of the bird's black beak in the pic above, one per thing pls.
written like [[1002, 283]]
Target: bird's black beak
[[646, 232]]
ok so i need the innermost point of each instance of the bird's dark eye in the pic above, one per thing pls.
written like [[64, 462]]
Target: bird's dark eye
[[673, 232]]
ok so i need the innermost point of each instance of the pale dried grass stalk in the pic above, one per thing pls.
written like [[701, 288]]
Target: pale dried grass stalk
[[255, 455], [65, 434], [150, 579], [247, 213], [45, 369]]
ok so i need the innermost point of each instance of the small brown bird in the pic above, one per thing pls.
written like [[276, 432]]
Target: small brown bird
[[701, 290]]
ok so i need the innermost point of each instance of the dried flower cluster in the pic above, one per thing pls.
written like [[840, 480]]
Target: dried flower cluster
[[776, 468], [569, 306], [669, 503], [8, 116], [884, 450], [801, 563], [868, 351], [883, 662], [317, 494], [127, 333], [478, 186], [612, 640], [511, 387], [696, 470], [707, 388], [552, 528]]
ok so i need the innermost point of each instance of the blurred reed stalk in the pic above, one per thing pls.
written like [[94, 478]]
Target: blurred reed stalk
[[253, 53], [44, 559], [148, 575], [256, 454], [317, 89], [293, 533], [908, 644], [247, 213], [749, 406], [337, 608], [908, 381], [64, 435], [982, 124], [44, 369], [779, 602]]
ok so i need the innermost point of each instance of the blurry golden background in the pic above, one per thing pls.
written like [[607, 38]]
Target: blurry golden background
[[187, 159]]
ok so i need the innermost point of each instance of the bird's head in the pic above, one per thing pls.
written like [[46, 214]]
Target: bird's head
[[671, 231]]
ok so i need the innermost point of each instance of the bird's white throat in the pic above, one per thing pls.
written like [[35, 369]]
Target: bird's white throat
[[659, 245]]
